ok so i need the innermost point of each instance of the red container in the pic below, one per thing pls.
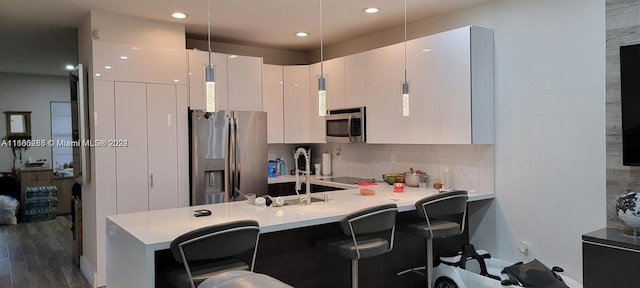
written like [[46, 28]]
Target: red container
[[398, 187]]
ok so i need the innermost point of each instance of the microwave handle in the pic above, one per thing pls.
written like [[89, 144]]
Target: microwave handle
[[349, 128]]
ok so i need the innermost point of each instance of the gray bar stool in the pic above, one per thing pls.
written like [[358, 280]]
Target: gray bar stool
[[363, 236], [208, 257], [442, 215]]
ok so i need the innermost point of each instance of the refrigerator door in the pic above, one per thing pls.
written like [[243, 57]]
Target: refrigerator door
[[209, 153], [250, 152]]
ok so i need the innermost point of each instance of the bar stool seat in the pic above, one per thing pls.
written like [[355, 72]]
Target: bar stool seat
[[439, 228], [363, 238], [242, 279]]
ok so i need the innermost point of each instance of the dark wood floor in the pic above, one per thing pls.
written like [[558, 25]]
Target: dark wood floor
[[38, 254]]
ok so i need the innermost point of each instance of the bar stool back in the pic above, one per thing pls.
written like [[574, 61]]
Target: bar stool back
[[363, 237], [442, 215]]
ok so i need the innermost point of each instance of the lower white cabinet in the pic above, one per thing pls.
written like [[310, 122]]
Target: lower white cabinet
[[147, 167]]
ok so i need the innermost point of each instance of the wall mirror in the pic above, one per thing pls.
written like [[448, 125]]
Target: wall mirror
[[18, 125]]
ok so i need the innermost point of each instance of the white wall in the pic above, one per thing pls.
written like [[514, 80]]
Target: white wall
[[21, 92]]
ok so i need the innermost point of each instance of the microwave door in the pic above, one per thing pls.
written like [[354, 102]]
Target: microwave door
[[337, 130]]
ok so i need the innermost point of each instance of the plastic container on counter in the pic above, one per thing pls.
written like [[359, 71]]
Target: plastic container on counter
[[367, 188]]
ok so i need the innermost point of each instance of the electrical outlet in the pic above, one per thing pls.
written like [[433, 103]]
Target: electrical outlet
[[393, 157], [526, 250]]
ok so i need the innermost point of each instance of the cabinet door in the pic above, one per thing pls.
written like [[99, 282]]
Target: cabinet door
[[418, 127], [296, 104], [273, 102], [162, 146], [334, 73], [244, 83], [316, 122], [354, 80], [132, 188], [452, 87], [198, 60], [383, 90]]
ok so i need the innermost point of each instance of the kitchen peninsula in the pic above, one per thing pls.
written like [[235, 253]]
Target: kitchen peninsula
[[134, 240]]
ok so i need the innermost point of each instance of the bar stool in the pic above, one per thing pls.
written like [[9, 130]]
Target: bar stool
[[442, 215], [209, 257], [363, 237]]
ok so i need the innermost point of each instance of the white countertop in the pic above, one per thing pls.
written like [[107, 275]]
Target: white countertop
[[158, 228]]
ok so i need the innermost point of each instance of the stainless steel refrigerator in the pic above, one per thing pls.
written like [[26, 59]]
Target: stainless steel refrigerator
[[228, 152]]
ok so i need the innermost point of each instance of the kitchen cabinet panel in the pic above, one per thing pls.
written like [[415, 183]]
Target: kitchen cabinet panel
[[162, 138], [334, 73], [383, 89], [316, 125], [244, 83], [418, 127], [354, 80], [132, 185], [464, 86], [273, 102], [296, 104], [198, 60]]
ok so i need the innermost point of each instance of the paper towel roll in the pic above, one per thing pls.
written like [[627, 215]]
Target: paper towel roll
[[326, 164]]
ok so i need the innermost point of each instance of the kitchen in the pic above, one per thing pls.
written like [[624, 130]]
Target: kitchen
[[531, 146]]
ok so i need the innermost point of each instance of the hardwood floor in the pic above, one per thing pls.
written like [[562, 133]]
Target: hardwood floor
[[39, 254]]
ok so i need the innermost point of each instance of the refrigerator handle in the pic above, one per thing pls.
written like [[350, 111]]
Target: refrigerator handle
[[236, 156], [231, 161]]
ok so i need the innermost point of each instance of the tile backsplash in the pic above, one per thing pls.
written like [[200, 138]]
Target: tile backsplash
[[470, 166]]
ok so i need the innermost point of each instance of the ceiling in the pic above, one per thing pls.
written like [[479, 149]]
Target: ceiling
[[31, 25]]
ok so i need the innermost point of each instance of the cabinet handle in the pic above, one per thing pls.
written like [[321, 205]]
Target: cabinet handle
[[151, 180]]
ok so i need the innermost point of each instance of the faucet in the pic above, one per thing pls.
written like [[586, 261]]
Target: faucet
[[307, 198]]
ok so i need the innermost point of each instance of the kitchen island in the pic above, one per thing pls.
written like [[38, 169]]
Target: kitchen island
[[134, 240]]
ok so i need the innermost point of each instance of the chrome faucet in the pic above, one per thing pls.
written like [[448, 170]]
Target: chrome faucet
[[307, 171]]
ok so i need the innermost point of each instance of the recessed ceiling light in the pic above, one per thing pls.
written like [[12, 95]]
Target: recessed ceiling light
[[233, 56], [69, 67], [97, 74], [302, 34], [107, 67], [124, 57], [370, 10], [179, 15]]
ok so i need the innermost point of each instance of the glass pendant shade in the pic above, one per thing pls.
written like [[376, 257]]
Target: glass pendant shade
[[322, 96], [405, 99], [210, 85]]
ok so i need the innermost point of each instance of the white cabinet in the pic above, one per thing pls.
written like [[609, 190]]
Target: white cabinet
[[273, 102], [244, 83], [146, 168], [463, 86], [334, 73], [296, 104], [238, 81], [316, 122], [418, 127], [198, 61], [383, 92], [354, 80]]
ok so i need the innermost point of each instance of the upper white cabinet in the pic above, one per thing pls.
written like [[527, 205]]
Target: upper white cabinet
[[354, 80], [316, 122], [463, 83], [296, 104], [273, 102], [334, 73], [418, 127], [238, 81], [383, 92], [198, 60], [244, 83]]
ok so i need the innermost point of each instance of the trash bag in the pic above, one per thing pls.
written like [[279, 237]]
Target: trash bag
[[8, 208]]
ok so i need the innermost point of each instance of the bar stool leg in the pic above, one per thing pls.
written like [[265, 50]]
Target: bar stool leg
[[429, 263], [354, 273]]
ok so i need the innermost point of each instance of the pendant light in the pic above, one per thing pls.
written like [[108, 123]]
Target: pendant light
[[405, 84], [322, 82], [210, 76]]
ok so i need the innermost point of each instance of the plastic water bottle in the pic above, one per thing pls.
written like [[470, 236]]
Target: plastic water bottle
[[283, 168]]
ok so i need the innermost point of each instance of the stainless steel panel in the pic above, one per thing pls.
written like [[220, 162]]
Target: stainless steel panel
[[251, 152]]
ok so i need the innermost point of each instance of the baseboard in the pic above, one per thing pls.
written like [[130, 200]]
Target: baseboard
[[88, 271]]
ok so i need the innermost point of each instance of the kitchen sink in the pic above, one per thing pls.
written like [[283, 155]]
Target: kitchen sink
[[297, 201]]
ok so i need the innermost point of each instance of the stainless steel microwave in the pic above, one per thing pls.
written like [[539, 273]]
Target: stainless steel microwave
[[346, 125]]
